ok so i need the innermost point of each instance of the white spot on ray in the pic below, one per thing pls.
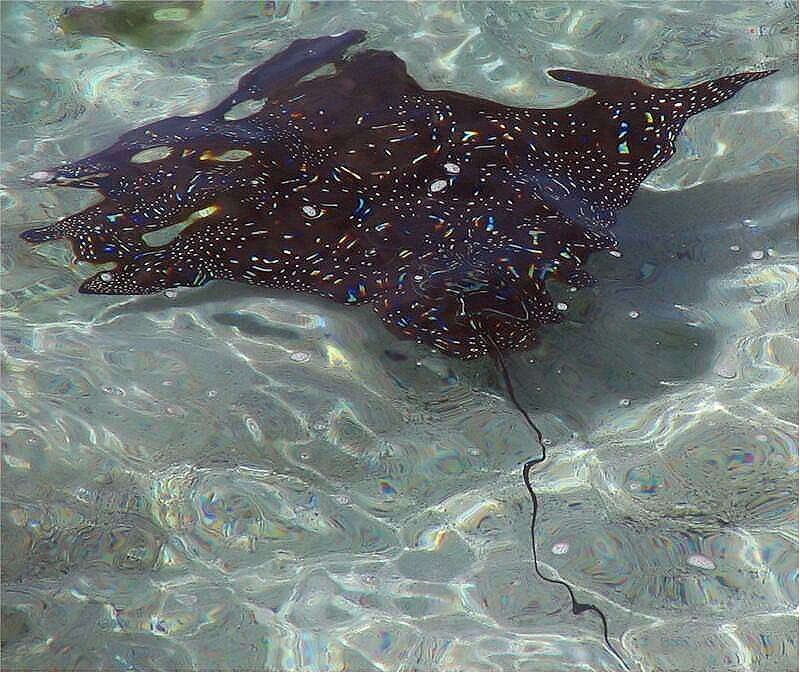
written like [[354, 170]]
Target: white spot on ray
[[244, 109], [151, 154]]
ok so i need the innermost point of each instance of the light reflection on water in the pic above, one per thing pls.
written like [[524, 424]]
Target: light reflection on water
[[232, 478]]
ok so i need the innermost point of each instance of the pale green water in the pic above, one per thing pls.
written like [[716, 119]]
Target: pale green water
[[233, 478]]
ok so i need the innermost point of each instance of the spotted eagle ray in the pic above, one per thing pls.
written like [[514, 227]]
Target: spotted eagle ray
[[448, 213]]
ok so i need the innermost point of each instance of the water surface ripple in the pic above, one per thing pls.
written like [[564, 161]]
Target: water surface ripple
[[237, 479]]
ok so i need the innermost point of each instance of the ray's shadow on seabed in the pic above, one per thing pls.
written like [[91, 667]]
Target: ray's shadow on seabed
[[641, 328]]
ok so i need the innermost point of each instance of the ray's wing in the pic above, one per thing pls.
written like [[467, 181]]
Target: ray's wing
[[104, 169], [587, 160], [280, 198], [301, 242]]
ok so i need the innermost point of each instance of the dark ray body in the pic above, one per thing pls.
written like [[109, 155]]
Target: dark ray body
[[447, 212]]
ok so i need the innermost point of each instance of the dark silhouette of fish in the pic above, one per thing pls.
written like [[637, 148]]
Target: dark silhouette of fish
[[447, 212]]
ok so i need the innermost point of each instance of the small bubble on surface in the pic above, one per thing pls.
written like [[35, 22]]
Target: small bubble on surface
[[170, 294], [735, 248], [700, 561], [615, 253], [212, 393], [171, 14], [757, 254], [646, 270], [633, 314], [106, 276], [561, 306], [300, 356], [560, 548], [438, 185], [624, 402], [13, 461], [453, 169]]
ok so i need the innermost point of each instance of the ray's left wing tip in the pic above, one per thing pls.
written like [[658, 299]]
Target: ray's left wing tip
[[98, 284], [41, 177], [40, 235]]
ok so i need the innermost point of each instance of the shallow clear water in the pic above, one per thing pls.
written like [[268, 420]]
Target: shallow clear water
[[234, 478]]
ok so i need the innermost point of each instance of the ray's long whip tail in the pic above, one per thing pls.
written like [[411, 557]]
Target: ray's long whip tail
[[577, 608]]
